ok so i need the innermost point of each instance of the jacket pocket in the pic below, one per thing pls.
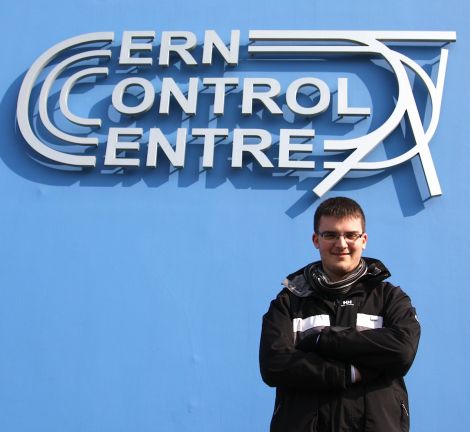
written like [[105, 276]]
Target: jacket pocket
[[277, 407], [294, 411], [405, 417]]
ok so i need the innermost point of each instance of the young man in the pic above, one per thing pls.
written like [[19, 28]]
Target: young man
[[338, 339]]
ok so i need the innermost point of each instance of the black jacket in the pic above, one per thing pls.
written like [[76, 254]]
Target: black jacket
[[309, 342]]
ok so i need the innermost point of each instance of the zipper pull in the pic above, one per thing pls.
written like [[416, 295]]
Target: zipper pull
[[403, 407]]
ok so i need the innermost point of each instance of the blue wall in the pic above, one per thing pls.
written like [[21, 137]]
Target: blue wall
[[132, 302]]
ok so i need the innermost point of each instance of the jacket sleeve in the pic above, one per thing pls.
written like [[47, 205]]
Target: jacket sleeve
[[390, 349], [282, 365]]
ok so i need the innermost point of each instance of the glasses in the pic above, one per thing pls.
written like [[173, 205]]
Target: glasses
[[349, 237]]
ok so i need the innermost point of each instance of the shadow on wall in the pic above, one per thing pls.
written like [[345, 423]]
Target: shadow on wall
[[371, 83]]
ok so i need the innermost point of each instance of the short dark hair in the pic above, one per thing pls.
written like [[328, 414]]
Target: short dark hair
[[339, 207]]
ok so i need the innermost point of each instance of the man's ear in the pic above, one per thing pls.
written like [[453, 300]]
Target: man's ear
[[364, 240], [315, 240]]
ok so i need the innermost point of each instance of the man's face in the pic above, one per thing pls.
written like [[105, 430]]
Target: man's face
[[339, 256]]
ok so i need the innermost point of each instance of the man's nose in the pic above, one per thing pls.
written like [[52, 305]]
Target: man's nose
[[341, 242]]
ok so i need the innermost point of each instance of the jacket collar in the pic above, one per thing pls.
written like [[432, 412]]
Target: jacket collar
[[298, 283]]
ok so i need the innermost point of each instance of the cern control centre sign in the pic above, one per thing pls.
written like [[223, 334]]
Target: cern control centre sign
[[157, 94]]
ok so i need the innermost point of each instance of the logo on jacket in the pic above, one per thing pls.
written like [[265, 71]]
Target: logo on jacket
[[347, 303], [140, 101]]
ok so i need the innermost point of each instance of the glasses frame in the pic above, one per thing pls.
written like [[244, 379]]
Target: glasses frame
[[337, 235]]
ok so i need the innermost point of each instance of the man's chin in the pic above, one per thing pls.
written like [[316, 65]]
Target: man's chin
[[340, 271]]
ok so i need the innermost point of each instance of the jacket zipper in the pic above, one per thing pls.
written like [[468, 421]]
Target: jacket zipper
[[337, 302], [404, 409]]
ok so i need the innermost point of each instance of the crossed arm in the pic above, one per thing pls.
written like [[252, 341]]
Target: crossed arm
[[326, 363]]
